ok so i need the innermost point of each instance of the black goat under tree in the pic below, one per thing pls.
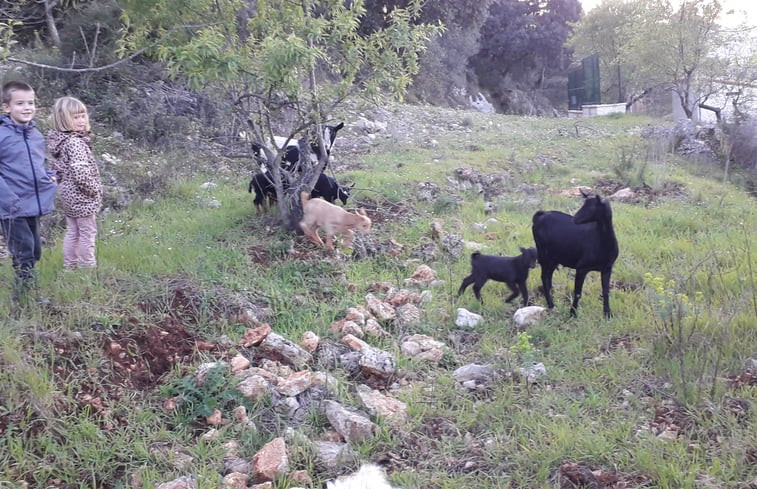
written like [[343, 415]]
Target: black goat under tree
[[585, 242]]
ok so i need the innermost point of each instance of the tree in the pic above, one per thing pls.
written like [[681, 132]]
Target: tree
[[445, 66], [654, 43], [678, 47], [285, 65], [30, 17], [604, 31], [523, 41]]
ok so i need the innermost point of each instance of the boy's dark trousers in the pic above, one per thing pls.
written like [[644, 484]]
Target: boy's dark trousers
[[24, 244]]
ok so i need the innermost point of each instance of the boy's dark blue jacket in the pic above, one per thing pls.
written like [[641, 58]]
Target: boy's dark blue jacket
[[26, 187]]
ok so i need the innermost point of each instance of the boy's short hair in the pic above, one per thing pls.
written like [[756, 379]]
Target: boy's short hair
[[64, 110], [14, 86]]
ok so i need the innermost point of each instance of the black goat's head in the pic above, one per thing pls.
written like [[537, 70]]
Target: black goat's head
[[530, 255], [343, 193], [328, 135], [594, 209]]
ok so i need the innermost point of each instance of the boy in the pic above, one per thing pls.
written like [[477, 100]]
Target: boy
[[27, 188]]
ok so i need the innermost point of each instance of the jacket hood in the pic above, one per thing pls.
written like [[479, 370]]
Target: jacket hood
[[55, 140], [6, 120]]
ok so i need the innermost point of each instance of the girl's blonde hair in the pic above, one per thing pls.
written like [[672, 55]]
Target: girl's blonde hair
[[64, 111]]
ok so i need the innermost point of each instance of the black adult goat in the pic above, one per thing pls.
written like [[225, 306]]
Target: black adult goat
[[585, 242]]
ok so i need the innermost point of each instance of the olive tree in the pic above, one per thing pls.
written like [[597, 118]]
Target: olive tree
[[285, 65]]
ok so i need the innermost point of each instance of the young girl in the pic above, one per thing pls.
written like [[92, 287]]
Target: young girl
[[79, 184]]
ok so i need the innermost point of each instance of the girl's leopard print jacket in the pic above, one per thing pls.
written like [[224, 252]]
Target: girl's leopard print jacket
[[79, 186]]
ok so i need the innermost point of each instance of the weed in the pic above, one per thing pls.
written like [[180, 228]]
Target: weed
[[523, 349], [197, 400]]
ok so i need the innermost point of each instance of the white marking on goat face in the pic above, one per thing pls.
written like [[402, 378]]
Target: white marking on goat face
[[280, 141]]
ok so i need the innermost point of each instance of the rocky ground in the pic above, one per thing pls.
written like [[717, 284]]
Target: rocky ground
[[302, 375]]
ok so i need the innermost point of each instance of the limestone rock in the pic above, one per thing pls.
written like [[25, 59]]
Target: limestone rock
[[354, 427], [526, 316], [271, 461]]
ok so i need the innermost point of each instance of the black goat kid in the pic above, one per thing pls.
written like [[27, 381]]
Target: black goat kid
[[585, 242], [265, 191], [328, 188], [511, 270]]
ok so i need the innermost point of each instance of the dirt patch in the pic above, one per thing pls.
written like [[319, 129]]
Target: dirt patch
[[671, 417], [384, 211], [623, 342], [140, 359], [573, 475], [643, 194]]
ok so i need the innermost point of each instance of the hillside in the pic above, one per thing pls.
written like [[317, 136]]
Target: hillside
[[212, 349]]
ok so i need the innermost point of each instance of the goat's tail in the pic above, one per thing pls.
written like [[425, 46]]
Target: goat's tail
[[474, 255], [304, 197], [537, 216]]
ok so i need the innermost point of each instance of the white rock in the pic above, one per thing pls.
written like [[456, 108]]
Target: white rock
[[526, 316], [467, 319], [534, 372]]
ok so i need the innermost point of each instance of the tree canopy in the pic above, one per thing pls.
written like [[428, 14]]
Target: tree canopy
[[521, 38]]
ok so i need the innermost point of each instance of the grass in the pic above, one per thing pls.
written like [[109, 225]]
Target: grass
[[670, 356]]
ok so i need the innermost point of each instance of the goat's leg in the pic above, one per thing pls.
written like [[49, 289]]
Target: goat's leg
[[606, 292], [349, 237], [311, 233], [514, 289], [577, 289], [329, 241], [466, 282], [523, 292], [546, 284], [477, 290]]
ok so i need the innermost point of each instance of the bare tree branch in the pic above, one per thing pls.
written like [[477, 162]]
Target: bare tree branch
[[95, 69]]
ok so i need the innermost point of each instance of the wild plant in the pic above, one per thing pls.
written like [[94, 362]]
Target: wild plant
[[688, 349], [523, 350], [198, 400]]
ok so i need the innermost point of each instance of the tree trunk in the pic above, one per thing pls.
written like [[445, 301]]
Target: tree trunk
[[50, 20]]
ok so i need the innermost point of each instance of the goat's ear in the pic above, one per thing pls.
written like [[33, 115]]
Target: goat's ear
[[353, 184], [338, 126]]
